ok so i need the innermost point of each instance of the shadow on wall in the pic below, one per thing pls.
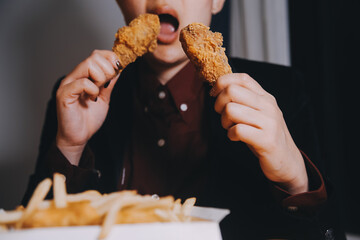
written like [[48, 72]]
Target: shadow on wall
[[40, 41]]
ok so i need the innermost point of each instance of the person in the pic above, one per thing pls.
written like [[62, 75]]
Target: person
[[154, 128]]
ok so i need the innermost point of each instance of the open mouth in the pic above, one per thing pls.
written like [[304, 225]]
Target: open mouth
[[169, 26], [169, 23]]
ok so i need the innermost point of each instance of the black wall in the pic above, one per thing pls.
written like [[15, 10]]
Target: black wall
[[324, 37], [325, 47]]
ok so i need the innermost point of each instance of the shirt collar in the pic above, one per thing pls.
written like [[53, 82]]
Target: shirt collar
[[184, 87]]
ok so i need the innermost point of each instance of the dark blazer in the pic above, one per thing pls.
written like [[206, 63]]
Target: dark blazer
[[236, 181]]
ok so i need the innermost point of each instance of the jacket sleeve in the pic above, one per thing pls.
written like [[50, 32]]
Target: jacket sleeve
[[306, 203], [303, 129], [51, 160]]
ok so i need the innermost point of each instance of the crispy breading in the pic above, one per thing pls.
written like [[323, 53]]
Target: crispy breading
[[204, 49], [136, 39]]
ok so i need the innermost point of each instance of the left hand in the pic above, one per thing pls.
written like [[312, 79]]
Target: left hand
[[250, 114]]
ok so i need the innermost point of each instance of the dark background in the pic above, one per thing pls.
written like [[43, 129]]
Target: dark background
[[324, 39], [325, 47], [41, 36]]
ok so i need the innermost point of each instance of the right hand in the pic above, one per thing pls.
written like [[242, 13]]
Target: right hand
[[83, 102]]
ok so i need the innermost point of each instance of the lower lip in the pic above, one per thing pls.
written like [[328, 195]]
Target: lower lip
[[167, 34]]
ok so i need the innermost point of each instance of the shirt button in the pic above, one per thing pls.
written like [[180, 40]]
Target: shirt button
[[161, 142], [292, 208], [183, 107], [329, 234], [98, 173], [162, 95]]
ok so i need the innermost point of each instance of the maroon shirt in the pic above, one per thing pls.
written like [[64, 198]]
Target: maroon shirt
[[167, 153]]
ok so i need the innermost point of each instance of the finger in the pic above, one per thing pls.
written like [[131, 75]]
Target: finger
[[245, 133], [95, 73], [112, 58], [90, 69], [73, 90], [236, 113], [106, 66], [87, 69], [241, 79], [237, 94]]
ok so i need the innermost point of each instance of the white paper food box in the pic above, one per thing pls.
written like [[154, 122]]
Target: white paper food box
[[197, 230]]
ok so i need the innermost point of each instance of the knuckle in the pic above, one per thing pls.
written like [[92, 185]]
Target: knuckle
[[246, 80], [238, 130], [275, 110], [59, 93], [88, 62], [82, 81], [95, 52], [244, 76], [231, 90], [233, 108], [228, 109], [272, 98], [219, 84]]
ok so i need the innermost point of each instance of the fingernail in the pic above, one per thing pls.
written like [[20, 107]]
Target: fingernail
[[107, 84], [118, 65]]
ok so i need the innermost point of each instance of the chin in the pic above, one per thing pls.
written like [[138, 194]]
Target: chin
[[167, 56]]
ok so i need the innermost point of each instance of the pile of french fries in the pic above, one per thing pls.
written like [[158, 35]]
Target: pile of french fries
[[93, 208]]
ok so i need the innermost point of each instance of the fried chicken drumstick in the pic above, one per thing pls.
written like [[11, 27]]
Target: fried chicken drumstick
[[204, 49], [136, 39]]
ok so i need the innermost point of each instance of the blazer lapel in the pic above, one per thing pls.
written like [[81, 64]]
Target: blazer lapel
[[118, 125]]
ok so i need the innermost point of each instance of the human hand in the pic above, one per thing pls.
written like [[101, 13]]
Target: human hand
[[82, 101], [250, 114]]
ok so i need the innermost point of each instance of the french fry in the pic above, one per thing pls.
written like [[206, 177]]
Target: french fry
[[187, 207], [163, 215], [10, 217], [135, 202], [177, 206], [104, 204], [110, 218], [91, 207], [148, 202], [38, 196], [45, 204], [3, 228], [90, 195], [59, 190]]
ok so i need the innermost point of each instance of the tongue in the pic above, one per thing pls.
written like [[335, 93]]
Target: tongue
[[167, 28]]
